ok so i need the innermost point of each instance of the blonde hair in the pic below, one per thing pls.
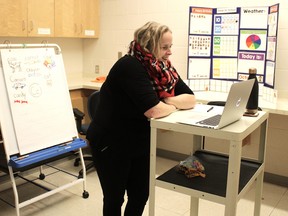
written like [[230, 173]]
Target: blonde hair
[[149, 36]]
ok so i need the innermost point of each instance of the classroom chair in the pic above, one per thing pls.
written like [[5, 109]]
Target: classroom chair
[[82, 128]]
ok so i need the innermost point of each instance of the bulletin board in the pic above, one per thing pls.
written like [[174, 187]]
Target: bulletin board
[[223, 43], [36, 110]]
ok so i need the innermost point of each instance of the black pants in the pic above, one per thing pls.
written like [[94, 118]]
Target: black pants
[[118, 173]]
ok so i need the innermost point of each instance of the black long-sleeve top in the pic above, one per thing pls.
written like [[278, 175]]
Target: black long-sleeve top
[[125, 96]]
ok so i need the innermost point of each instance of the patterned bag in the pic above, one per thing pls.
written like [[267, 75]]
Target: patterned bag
[[192, 167]]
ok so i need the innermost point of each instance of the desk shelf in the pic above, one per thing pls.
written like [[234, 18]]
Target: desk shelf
[[215, 182]]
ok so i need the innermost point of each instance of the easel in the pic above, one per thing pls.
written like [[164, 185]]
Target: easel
[[17, 161]]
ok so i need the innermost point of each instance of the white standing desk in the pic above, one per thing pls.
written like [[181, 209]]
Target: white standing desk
[[228, 177]]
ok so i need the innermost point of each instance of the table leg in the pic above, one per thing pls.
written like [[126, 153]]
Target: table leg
[[233, 178], [261, 159], [152, 171], [258, 194], [197, 143], [262, 142], [194, 206]]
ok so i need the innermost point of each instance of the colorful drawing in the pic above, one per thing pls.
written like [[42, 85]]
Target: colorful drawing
[[49, 62], [253, 42]]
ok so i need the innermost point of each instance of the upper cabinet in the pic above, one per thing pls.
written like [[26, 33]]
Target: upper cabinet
[[67, 18], [49, 18], [13, 19], [77, 18], [21, 18], [90, 18], [40, 18]]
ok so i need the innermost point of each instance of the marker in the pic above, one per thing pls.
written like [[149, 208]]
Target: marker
[[104, 148], [21, 157], [64, 148], [210, 109]]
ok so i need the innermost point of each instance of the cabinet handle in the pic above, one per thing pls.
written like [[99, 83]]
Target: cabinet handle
[[75, 28], [81, 29], [31, 26], [23, 25]]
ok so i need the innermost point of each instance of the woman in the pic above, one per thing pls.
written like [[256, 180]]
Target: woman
[[141, 85]]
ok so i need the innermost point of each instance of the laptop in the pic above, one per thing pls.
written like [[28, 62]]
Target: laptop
[[234, 108]]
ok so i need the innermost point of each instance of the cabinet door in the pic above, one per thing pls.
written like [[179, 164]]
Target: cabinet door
[[90, 18], [41, 18], [68, 18], [13, 19]]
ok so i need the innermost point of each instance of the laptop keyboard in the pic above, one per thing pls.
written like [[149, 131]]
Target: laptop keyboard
[[213, 121]]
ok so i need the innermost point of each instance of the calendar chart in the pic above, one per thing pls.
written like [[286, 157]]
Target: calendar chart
[[223, 43]]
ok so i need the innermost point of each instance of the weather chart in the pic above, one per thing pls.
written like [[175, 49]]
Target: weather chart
[[223, 43]]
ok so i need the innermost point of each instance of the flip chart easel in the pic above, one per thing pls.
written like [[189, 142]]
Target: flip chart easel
[[36, 119]]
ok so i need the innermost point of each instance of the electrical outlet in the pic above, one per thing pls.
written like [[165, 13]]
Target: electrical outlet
[[97, 69]]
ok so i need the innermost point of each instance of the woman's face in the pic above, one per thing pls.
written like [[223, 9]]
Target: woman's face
[[165, 47]]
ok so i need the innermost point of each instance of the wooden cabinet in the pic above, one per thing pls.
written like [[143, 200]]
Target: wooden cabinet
[[67, 18], [21, 18], [77, 18], [40, 18], [49, 18], [90, 18], [13, 19]]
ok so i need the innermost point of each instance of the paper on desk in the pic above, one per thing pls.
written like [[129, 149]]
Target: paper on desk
[[203, 108], [199, 112]]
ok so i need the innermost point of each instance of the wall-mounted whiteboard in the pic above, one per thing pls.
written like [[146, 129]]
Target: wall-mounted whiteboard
[[35, 100]]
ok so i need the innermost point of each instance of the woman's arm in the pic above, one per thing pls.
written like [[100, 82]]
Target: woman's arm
[[171, 104], [160, 110], [182, 101]]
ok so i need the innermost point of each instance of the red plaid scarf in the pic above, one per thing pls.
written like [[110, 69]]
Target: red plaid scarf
[[163, 75]]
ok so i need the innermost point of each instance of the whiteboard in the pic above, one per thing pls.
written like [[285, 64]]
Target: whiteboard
[[6, 122], [38, 100]]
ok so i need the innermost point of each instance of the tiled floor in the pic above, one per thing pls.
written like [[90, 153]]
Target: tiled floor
[[168, 203]]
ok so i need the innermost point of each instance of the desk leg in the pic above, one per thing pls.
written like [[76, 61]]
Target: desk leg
[[262, 142], [152, 171], [258, 194], [259, 180], [197, 143], [194, 206], [233, 178]]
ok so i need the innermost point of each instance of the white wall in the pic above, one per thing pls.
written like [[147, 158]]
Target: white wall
[[119, 19]]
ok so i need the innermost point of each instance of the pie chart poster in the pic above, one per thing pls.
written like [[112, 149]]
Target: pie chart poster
[[253, 40]]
